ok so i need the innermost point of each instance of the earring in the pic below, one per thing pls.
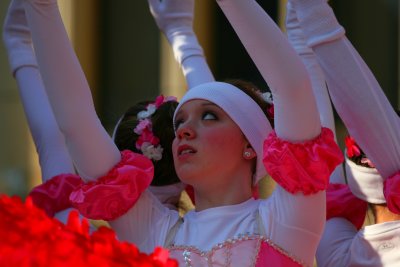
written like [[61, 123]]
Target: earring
[[247, 154]]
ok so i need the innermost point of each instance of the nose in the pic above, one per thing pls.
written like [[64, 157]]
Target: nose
[[185, 131]]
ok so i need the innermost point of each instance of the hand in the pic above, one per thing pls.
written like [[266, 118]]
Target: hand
[[317, 20], [171, 15], [17, 37], [294, 32]]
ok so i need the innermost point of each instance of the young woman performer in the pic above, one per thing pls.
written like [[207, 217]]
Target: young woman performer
[[218, 150]]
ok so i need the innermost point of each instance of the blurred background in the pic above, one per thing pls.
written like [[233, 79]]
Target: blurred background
[[126, 59]]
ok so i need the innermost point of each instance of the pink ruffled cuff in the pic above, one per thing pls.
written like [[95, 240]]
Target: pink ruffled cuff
[[302, 167], [340, 202], [53, 195], [391, 190], [115, 193]]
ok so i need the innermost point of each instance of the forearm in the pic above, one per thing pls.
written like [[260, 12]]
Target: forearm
[[296, 116], [196, 71], [89, 145], [362, 105], [49, 141]]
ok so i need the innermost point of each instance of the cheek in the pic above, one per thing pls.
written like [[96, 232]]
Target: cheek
[[224, 140], [174, 147]]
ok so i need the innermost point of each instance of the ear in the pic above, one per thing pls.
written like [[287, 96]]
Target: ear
[[249, 153]]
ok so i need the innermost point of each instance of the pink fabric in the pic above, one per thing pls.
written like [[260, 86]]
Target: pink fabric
[[302, 167], [53, 195], [340, 202], [391, 190], [190, 191], [115, 193], [270, 256], [235, 253]]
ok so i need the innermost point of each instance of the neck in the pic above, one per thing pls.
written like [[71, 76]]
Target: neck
[[383, 214], [233, 191]]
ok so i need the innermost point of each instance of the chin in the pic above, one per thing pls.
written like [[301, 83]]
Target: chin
[[187, 176]]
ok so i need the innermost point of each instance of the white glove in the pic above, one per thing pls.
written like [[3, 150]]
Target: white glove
[[298, 41], [175, 19], [90, 146], [17, 37], [317, 20]]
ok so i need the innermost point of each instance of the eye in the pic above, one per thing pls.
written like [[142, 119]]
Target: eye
[[208, 115], [177, 123]]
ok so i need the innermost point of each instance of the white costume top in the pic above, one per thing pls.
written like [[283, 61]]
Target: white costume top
[[284, 216], [374, 245]]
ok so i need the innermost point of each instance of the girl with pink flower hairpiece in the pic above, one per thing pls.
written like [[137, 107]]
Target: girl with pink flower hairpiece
[[221, 149]]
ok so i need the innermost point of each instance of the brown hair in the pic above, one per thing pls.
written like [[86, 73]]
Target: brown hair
[[255, 93], [162, 127]]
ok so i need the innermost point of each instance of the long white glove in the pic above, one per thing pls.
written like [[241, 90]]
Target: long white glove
[[175, 19], [50, 144], [89, 145], [296, 115], [355, 93], [298, 41]]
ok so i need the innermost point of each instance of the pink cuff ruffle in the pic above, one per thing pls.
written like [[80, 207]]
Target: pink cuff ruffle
[[53, 195], [302, 167], [115, 193], [391, 190], [340, 202]]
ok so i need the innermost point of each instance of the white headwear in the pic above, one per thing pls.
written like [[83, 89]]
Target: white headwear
[[365, 183], [242, 109]]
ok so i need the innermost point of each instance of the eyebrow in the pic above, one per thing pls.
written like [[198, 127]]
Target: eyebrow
[[209, 104], [203, 105]]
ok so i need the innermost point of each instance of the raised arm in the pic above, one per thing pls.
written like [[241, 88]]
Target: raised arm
[[49, 141], [297, 40], [296, 120], [296, 115], [55, 163], [175, 19], [355, 93], [90, 146]]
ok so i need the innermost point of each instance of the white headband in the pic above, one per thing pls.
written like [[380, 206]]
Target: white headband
[[365, 183], [242, 109]]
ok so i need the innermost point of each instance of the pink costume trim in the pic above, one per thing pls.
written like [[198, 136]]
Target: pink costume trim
[[272, 255], [391, 190], [246, 250], [115, 193], [340, 202], [303, 167], [53, 195]]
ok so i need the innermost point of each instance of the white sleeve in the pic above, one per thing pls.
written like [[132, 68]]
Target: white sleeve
[[50, 144], [355, 93], [146, 224], [89, 145], [196, 71], [297, 40], [362, 105], [335, 246], [296, 115], [49, 141], [292, 220], [174, 18]]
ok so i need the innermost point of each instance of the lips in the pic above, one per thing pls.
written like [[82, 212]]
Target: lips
[[185, 150]]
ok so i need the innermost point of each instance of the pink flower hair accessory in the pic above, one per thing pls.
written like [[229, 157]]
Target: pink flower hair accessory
[[147, 142], [355, 153]]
